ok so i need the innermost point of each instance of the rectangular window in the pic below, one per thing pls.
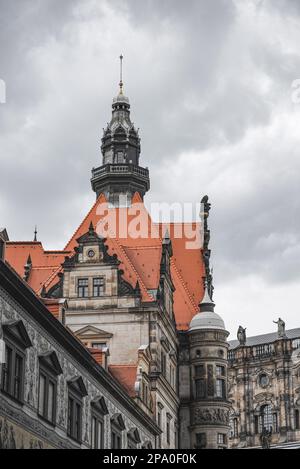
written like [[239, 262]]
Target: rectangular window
[[98, 286], [200, 388], [168, 430], [220, 370], [297, 419], [220, 388], [163, 363], [7, 370], [83, 288], [47, 397], [200, 440], [74, 418], [13, 372], [116, 440], [159, 425], [199, 370], [18, 376], [221, 439], [99, 345], [97, 433]]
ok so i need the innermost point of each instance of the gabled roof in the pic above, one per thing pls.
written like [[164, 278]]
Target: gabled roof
[[45, 264], [140, 257]]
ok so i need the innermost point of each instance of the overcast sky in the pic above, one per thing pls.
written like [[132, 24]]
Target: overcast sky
[[210, 84]]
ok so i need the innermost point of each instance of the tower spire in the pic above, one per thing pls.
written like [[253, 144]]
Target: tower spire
[[121, 74]]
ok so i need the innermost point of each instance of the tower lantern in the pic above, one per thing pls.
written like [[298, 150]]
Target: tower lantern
[[120, 175]]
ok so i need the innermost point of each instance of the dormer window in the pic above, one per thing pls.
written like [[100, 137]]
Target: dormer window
[[83, 288], [98, 286]]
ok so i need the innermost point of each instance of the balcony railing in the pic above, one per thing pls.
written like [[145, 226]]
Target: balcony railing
[[120, 169]]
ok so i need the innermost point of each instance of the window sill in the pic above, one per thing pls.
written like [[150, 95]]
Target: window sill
[[14, 399], [52, 424]]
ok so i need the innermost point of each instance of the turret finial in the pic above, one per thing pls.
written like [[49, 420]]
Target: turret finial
[[121, 74], [35, 234]]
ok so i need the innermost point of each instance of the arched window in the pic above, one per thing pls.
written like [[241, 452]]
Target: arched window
[[266, 418]]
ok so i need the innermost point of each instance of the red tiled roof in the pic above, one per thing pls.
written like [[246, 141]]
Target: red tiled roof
[[126, 375], [140, 257]]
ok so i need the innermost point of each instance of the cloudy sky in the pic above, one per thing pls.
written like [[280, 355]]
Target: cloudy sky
[[210, 83]]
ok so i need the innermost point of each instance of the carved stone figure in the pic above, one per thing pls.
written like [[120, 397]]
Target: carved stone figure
[[265, 438], [281, 327], [241, 335]]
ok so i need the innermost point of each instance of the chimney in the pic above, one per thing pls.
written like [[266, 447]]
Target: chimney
[[100, 356]]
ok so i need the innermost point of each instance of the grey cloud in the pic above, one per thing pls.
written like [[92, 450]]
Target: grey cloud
[[198, 92]]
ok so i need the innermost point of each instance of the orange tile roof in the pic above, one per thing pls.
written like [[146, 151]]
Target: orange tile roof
[[45, 264], [139, 256], [126, 375]]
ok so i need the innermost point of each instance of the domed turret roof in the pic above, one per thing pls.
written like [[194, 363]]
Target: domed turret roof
[[207, 318]]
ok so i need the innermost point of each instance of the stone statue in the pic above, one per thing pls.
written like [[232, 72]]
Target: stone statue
[[241, 335], [281, 327], [265, 438]]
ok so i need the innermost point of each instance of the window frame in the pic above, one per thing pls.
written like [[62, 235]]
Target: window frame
[[97, 292], [116, 436], [99, 420], [117, 426], [83, 288], [76, 392], [74, 420], [10, 372], [49, 379]]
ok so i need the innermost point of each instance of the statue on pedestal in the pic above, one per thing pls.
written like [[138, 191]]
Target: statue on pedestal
[[241, 335], [281, 328]]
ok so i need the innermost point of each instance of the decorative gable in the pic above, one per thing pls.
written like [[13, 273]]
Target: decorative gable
[[77, 385], [91, 332], [50, 361], [99, 405], [16, 331], [118, 421]]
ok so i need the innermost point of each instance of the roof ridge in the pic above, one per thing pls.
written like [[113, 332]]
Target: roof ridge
[[52, 276], [172, 261], [142, 285], [81, 224], [183, 284]]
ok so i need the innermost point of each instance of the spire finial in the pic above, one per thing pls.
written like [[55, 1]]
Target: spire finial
[[35, 234], [121, 74]]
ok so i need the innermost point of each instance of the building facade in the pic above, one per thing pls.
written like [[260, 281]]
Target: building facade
[[264, 388], [136, 296], [54, 393]]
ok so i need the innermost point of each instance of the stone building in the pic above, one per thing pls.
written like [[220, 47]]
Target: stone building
[[54, 392], [129, 289], [264, 388], [204, 407], [124, 293]]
